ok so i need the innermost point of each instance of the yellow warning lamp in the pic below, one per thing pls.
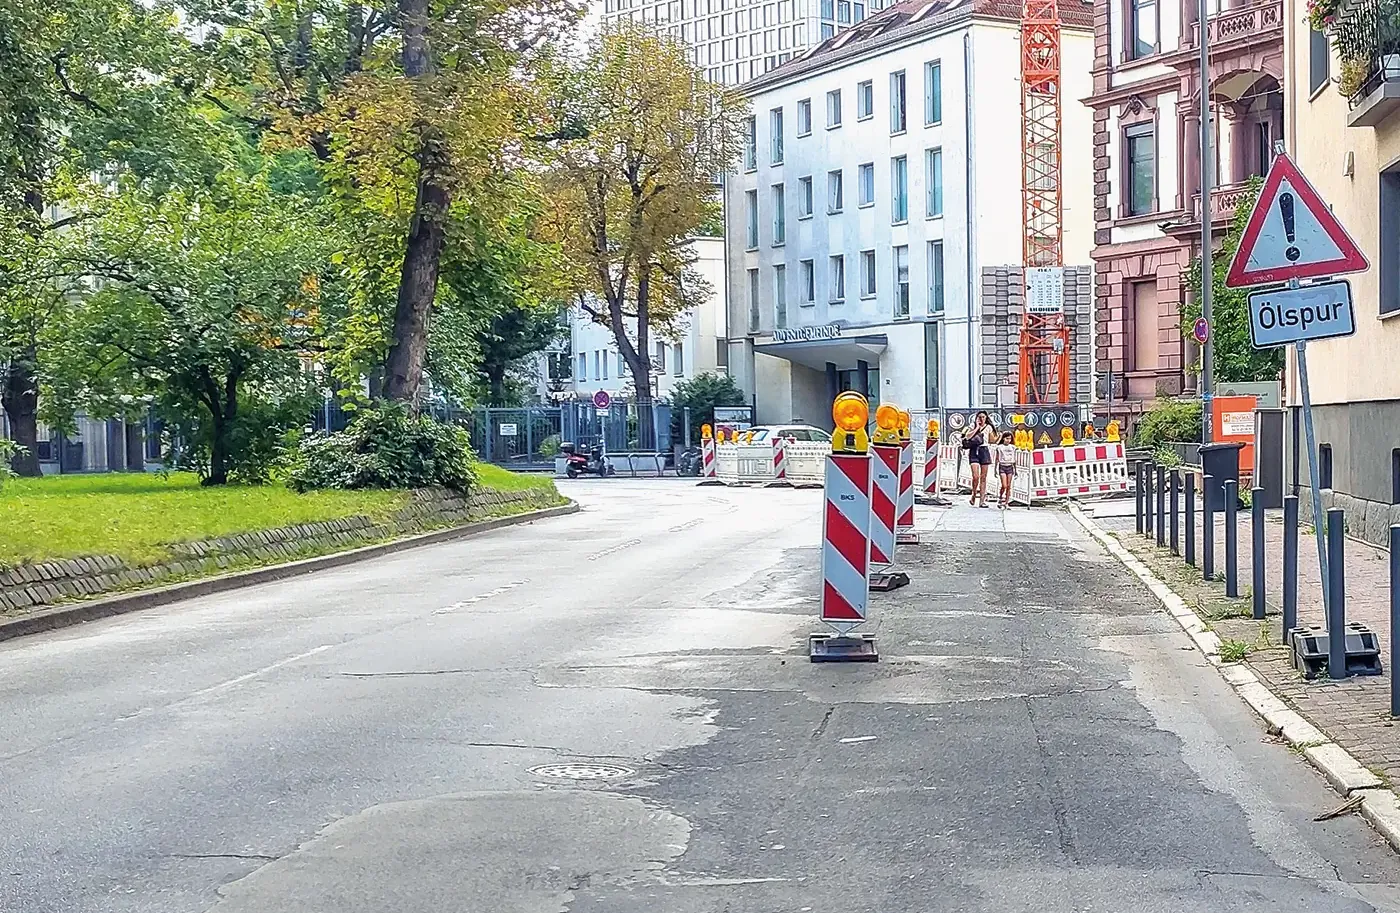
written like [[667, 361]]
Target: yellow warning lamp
[[719, 436], [748, 437], [1111, 433], [904, 420], [1019, 436], [1090, 431], [850, 412], [705, 433], [886, 425], [933, 429], [1066, 437]]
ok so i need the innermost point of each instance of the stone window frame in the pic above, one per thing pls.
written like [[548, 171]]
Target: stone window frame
[[1136, 113]]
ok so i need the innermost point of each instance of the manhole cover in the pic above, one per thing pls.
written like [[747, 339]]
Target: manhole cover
[[581, 772]]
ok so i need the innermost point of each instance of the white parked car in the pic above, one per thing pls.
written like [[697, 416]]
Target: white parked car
[[766, 433]]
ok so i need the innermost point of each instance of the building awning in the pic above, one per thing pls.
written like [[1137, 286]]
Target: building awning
[[842, 351]]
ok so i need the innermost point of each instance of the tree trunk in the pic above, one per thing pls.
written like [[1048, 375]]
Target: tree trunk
[[641, 365], [221, 440], [21, 403], [496, 377], [423, 256]]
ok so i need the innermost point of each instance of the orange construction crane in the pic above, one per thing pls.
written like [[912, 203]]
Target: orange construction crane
[[1045, 353]]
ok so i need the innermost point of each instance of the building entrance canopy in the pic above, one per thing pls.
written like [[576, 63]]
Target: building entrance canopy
[[845, 352]]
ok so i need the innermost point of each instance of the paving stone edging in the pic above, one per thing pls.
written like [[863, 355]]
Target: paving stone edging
[[62, 616], [1379, 804]]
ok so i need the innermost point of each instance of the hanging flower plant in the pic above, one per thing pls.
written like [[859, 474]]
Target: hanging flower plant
[[1322, 14]]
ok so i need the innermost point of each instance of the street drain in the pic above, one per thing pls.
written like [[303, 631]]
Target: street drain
[[581, 772]]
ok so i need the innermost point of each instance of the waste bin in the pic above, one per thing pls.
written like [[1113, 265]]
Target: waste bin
[[1221, 462]]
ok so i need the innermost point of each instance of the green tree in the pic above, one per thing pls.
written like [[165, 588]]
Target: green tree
[[1236, 359], [640, 182], [700, 395], [207, 302]]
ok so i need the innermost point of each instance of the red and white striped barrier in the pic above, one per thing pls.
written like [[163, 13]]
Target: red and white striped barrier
[[1083, 469], [930, 483], [707, 460], [780, 463], [846, 541], [904, 506], [884, 494]]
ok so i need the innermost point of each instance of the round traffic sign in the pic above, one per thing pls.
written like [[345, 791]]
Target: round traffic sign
[[1032, 419], [956, 420], [1201, 330], [601, 399], [1067, 418]]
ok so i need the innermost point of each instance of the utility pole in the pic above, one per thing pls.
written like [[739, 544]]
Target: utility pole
[[1207, 268]]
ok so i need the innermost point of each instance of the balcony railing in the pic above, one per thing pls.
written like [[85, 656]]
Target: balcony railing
[[1223, 202], [1367, 39], [1234, 24]]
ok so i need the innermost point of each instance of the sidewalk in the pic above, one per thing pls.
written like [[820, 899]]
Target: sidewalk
[[1355, 712]]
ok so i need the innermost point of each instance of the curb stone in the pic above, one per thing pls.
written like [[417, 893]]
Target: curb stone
[[1379, 805], [78, 613]]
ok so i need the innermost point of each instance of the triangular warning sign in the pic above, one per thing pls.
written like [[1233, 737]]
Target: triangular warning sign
[[1291, 234]]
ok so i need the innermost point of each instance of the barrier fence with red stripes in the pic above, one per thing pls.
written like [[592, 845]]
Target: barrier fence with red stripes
[[884, 494], [846, 541]]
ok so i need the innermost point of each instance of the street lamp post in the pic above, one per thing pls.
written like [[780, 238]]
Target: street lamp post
[[1207, 268]]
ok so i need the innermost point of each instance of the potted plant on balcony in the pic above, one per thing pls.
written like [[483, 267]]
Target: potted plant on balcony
[[1322, 14], [1351, 76]]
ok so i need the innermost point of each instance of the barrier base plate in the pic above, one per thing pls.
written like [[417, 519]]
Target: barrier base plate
[[1309, 647], [885, 581], [779, 484], [709, 482], [836, 648], [906, 537]]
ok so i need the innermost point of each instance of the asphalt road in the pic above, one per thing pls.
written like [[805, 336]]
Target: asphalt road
[[1038, 737]]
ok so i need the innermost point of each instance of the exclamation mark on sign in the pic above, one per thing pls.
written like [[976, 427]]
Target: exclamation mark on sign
[[1285, 208]]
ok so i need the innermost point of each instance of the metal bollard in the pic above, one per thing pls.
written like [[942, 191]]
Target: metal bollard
[[1176, 510], [1232, 544], [1191, 519], [1150, 474], [1161, 506], [1256, 563], [1137, 494], [1290, 565], [1394, 618], [1207, 531], [1337, 588]]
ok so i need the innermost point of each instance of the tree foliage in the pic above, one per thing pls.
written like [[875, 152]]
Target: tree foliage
[[1236, 359], [628, 194], [700, 394]]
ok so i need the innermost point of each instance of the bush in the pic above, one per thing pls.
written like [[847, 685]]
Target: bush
[[549, 447], [1167, 422], [702, 393], [1166, 456], [385, 447], [8, 451]]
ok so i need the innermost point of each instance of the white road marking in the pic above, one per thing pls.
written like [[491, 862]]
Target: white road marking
[[473, 600]]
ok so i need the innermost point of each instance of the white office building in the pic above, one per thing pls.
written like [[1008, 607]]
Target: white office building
[[880, 199], [735, 41], [698, 346]]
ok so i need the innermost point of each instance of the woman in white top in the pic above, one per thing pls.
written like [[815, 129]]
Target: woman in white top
[[1006, 466]]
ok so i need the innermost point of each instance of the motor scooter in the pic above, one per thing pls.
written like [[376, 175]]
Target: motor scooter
[[594, 463], [689, 462]]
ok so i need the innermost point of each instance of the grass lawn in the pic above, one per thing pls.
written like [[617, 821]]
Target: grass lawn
[[133, 516], [493, 476]]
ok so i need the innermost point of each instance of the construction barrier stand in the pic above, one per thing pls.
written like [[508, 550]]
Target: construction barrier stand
[[904, 506]]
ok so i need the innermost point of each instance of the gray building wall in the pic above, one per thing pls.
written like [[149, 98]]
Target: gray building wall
[[1003, 306], [1363, 437]]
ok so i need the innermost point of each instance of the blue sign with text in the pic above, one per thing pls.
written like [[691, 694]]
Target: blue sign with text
[[1279, 316]]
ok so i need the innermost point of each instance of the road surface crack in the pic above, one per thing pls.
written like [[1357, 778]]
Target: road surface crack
[[826, 721], [1064, 834], [247, 857]]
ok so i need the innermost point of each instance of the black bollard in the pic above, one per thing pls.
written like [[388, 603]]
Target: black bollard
[[1176, 510], [1137, 495], [1394, 618], [1232, 544], [1337, 590], [1161, 506], [1256, 563], [1290, 565], [1150, 475], [1207, 531], [1191, 519]]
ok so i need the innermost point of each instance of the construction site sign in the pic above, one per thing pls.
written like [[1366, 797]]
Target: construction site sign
[[1045, 290]]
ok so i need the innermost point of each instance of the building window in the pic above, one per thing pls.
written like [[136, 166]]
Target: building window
[[866, 184], [935, 277], [1141, 165], [1395, 475], [753, 301], [1319, 61], [779, 215], [860, 12], [583, 366], [1142, 42], [933, 93], [751, 144], [828, 9], [901, 281], [835, 194], [597, 364], [931, 371], [833, 108], [775, 126], [933, 182], [621, 365], [660, 356], [867, 274], [828, 30], [604, 362], [780, 296], [809, 282], [678, 362], [1389, 265], [1144, 326], [1324, 466], [804, 197], [751, 208], [865, 100], [838, 278], [899, 189], [804, 117], [899, 119]]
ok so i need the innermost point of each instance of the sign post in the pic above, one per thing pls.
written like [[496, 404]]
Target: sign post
[[1292, 235]]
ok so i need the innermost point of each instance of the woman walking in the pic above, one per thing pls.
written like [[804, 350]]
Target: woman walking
[[977, 441], [1006, 466]]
